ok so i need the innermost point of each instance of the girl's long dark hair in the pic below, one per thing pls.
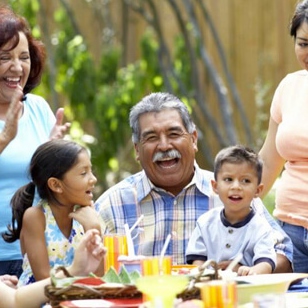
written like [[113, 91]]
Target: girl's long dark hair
[[51, 159], [23, 199]]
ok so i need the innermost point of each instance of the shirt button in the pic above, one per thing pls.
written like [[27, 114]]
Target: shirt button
[[230, 231], [228, 245]]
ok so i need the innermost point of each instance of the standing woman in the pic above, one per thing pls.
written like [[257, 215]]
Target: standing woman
[[26, 120], [286, 145]]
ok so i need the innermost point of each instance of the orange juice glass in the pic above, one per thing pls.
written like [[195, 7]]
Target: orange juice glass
[[219, 294], [151, 266], [154, 266], [116, 245]]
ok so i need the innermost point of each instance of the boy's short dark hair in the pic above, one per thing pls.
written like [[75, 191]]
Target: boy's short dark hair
[[238, 154]]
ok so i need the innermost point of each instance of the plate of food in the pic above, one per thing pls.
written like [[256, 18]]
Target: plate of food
[[113, 286], [192, 270], [248, 286], [102, 303], [182, 269]]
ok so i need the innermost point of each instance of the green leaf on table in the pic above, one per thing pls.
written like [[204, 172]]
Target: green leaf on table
[[134, 276], [124, 275], [63, 282], [112, 276]]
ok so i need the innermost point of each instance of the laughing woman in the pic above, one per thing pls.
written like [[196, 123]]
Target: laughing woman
[[26, 120]]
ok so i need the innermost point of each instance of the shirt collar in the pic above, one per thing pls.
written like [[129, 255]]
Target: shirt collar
[[201, 179], [239, 224]]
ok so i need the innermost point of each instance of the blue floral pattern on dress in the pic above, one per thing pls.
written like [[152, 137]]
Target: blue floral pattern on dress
[[60, 249]]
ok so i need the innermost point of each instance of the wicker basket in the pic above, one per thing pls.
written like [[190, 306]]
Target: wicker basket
[[56, 295], [192, 292]]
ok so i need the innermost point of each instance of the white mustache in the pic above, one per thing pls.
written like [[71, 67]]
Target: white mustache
[[171, 154]]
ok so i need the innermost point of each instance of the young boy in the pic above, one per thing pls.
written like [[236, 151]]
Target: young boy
[[222, 233]]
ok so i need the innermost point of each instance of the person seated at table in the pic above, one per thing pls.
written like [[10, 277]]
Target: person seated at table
[[221, 234], [61, 173], [88, 256], [171, 191]]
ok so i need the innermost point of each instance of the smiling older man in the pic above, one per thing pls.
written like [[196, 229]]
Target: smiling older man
[[171, 191]]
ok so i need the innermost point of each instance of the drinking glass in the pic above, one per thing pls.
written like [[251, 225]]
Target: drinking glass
[[156, 265], [219, 294], [116, 245], [161, 290]]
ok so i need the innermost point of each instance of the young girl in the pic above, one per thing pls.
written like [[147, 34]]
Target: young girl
[[49, 232]]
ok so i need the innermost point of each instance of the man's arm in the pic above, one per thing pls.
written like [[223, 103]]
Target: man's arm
[[283, 247], [283, 264]]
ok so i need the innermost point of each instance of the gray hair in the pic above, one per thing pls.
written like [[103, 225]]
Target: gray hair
[[156, 102]]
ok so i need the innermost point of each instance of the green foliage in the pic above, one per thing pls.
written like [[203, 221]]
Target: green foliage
[[114, 98], [80, 81], [119, 89], [269, 201], [182, 62], [109, 64], [262, 95], [29, 9], [99, 95]]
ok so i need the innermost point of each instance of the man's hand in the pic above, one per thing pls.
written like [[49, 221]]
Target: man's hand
[[283, 264]]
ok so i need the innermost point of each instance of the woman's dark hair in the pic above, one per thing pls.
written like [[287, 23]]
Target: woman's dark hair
[[300, 16], [10, 26], [51, 159]]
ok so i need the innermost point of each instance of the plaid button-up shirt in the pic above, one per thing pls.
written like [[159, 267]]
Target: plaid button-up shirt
[[163, 212]]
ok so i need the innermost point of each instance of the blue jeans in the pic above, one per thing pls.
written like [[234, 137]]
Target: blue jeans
[[299, 238], [12, 267]]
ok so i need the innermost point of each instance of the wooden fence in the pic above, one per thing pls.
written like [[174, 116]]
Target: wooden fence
[[254, 35]]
